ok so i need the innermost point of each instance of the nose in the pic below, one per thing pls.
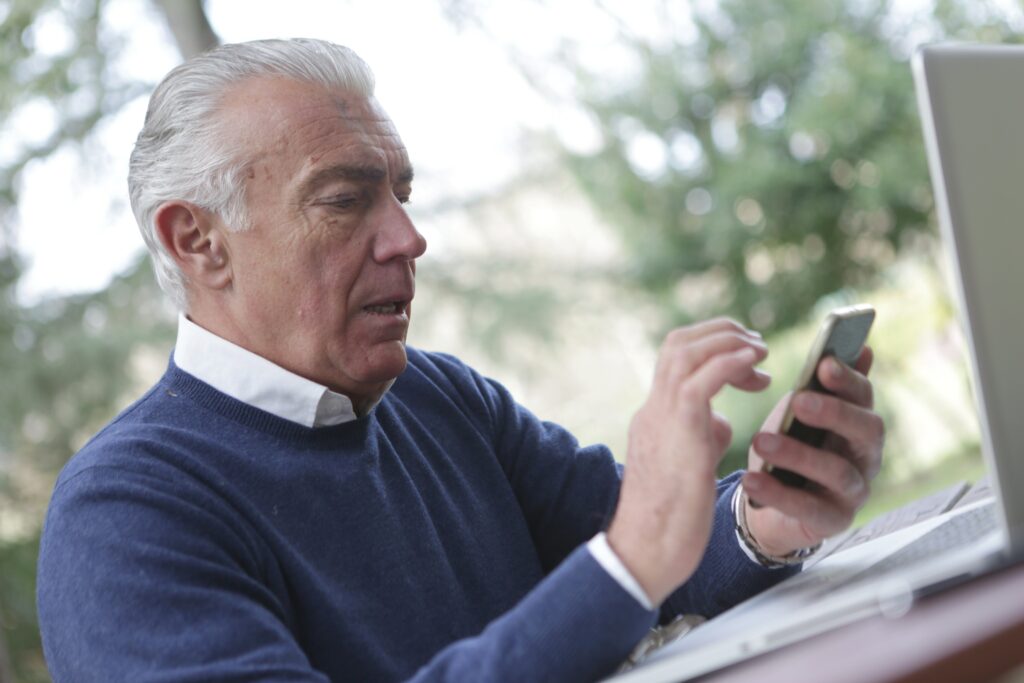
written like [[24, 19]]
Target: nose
[[397, 236]]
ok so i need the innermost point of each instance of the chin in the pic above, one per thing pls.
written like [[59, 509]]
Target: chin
[[384, 363]]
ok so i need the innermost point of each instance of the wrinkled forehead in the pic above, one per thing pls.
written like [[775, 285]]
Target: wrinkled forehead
[[291, 123]]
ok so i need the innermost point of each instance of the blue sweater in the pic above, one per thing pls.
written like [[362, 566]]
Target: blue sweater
[[197, 538]]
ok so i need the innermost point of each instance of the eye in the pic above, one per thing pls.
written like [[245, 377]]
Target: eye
[[402, 192], [343, 201]]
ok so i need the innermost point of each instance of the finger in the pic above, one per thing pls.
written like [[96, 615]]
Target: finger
[[758, 380], [690, 333], [684, 359], [727, 368], [846, 382], [864, 361], [815, 512], [677, 366], [863, 429], [771, 424], [831, 472]]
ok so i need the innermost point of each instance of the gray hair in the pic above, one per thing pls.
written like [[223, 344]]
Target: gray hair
[[180, 153]]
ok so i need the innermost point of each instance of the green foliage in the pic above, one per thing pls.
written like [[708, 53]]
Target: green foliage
[[774, 158], [17, 610], [65, 88], [511, 307], [68, 367], [68, 361], [82, 347], [56, 73]]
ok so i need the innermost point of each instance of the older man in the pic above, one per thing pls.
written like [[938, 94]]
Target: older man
[[303, 498]]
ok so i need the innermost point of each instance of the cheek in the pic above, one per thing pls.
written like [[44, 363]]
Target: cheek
[[312, 270], [322, 295]]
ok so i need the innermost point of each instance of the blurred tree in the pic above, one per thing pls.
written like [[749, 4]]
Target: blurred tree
[[772, 155], [68, 361]]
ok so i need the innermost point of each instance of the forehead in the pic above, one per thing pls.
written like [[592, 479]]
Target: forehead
[[300, 127]]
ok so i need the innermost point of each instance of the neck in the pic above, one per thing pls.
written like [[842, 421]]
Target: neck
[[363, 404], [220, 322]]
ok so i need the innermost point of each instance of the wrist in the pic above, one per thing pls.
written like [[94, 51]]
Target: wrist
[[748, 518], [638, 561], [641, 560], [753, 544]]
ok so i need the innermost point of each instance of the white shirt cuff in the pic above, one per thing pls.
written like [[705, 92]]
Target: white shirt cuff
[[610, 562]]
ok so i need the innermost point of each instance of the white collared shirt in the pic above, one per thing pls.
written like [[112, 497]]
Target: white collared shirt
[[254, 380], [258, 382]]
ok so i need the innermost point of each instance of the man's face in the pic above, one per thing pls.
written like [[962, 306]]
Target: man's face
[[322, 281]]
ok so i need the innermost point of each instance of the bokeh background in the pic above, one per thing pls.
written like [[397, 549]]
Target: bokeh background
[[589, 175]]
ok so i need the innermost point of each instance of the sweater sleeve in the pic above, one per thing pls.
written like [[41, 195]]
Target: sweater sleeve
[[725, 576], [172, 593], [577, 624]]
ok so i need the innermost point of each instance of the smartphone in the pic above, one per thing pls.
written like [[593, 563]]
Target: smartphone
[[842, 335]]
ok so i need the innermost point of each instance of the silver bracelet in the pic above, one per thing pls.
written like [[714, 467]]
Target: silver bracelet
[[765, 559]]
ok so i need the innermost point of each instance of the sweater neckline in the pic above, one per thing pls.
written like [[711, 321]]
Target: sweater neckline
[[178, 382]]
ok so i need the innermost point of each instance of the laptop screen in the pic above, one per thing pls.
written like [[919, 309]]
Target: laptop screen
[[972, 110]]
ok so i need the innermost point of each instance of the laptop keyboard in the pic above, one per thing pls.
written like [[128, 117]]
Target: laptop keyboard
[[957, 531]]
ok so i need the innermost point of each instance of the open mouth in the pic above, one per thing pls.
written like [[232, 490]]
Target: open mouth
[[392, 308]]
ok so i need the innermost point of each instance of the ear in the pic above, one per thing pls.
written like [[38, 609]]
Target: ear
[[197, 242]]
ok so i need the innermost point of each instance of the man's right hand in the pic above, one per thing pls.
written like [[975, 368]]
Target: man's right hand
[[666, 505]]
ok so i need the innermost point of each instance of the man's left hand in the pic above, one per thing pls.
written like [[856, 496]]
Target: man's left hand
[[839, 473]]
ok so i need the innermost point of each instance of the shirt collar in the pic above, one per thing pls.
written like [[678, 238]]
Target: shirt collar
[[256, 381]]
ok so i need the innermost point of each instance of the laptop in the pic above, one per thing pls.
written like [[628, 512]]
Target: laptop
[[970, 99]]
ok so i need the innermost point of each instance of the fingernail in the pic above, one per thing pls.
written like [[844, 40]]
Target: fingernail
[[767, 443], [834, 368], [810, 402]]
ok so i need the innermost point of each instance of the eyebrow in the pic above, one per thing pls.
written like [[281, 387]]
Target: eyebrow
[[367, 173]]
